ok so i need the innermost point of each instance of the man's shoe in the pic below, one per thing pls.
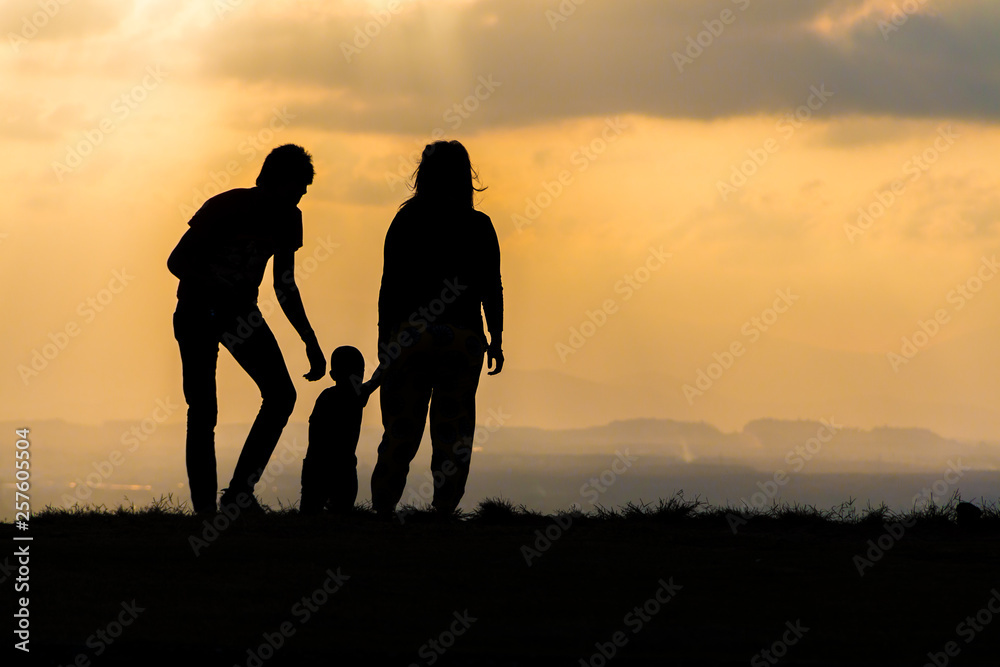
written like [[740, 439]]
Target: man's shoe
[[241, 503], [385, 514]]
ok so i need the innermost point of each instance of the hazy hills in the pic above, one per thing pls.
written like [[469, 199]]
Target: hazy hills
[[785, 383], [761, 444], [546, 469]]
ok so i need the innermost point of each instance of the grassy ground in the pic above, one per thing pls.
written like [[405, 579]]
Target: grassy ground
[[671, 583]]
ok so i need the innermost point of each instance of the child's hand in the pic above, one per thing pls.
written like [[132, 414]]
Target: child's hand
[[365, 391]]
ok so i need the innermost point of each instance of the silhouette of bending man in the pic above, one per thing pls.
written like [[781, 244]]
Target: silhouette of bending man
[[441, 272], [220, 262]]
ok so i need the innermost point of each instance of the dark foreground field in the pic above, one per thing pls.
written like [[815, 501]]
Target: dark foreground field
[[665, 585]]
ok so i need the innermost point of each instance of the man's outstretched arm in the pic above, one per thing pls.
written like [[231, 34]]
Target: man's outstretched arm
[[291, 304]]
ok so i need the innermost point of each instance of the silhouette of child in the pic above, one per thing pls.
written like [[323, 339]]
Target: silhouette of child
[[329, 471]]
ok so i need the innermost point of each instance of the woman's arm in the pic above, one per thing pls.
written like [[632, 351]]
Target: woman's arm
[[493, 298], [388, 293]]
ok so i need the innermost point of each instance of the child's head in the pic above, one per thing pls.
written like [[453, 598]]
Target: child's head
[[347, 362]]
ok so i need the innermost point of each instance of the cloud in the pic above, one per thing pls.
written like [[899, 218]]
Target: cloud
[[24, 119], [615, 58], [25, 21]]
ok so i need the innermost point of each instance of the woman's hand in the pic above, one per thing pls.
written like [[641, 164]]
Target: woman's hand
[[494, 355]]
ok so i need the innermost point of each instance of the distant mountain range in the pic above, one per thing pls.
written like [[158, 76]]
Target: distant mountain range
[[860, 393], [761, 444], [111, 461], [62, 450]]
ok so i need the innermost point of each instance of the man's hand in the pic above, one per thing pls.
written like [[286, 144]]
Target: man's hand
[[291, 304], [317, 362], [494, 355]]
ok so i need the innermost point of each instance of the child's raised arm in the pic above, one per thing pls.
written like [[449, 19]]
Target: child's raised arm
[[368, 388]]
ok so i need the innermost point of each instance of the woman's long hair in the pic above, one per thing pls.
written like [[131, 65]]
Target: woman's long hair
[[444, 176]]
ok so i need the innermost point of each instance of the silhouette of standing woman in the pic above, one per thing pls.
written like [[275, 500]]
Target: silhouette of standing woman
[[220, 261], [441, 273]]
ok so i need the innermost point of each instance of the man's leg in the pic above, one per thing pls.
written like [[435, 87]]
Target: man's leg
[[259, 355], [403, 397], [199, 347], [453, 417]]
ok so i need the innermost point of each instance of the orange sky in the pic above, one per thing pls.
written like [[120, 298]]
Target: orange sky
[[654, 194]]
